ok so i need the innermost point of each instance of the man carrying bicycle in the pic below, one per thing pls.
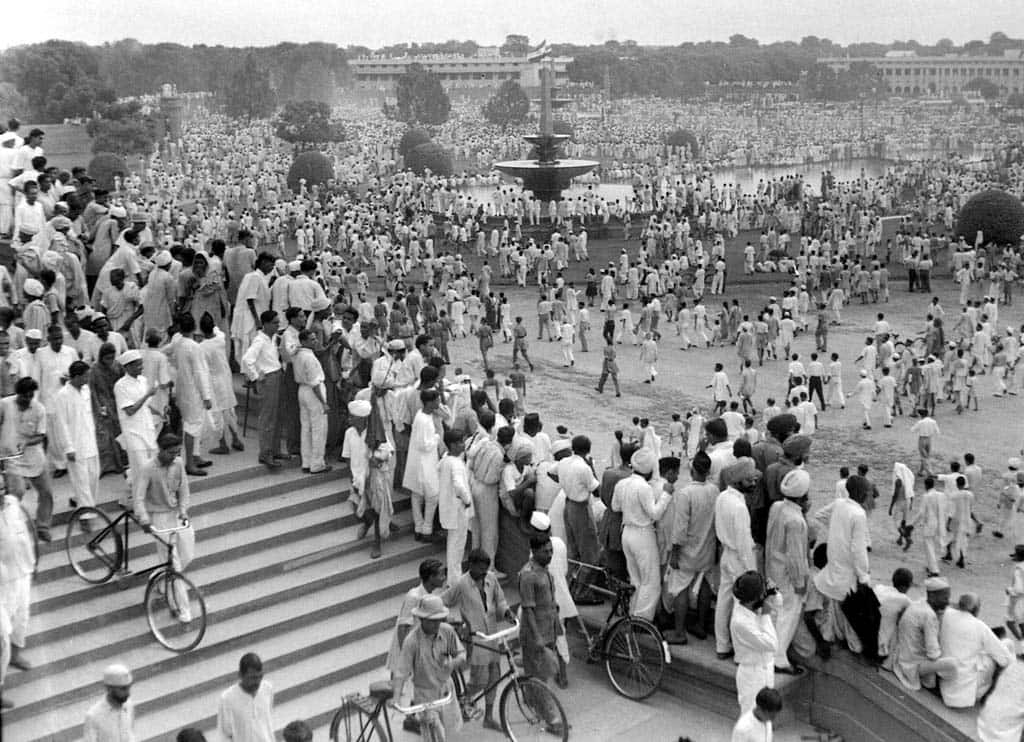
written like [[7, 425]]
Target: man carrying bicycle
[[430, 654], [161, 500]]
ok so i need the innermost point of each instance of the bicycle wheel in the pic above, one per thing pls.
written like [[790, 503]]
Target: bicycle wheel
[[93, 545], [175, 610], [352, 724], [531, 711], [633, 657]]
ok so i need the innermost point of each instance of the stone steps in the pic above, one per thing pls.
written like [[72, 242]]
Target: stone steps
[[282, 574]]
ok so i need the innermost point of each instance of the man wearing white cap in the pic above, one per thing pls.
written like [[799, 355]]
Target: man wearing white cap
[[74, 434], [112, 718], [138, 430], [918, 660], [786, 562], [641, 509]]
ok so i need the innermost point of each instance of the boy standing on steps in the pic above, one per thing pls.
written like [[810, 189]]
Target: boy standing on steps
[[455, 501]]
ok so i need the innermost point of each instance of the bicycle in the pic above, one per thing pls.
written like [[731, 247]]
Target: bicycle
[[528, 709], [632, 648], [359, 716], [175, 609], [522, 704]]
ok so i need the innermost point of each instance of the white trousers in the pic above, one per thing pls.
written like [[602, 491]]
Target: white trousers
[[183, 553], [16, 597], [84, 475], [137, 458], [455, 547], [423, 509], [750, 679], [313, 429], [54, 453], [787, 621], [723, 611], [485, 518], [932, 547], [640, 545]]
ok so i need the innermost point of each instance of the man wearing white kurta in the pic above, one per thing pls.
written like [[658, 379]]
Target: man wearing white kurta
[[192, 392], [754, 639], [74, 434], [975, 648], [253, 299], [931, 524], [1002, 717], [786, 559], [17, 563], [421, 477], [847, 561], [732, 527], [54, 361], [138, 432], [455, 502], [634, 498]]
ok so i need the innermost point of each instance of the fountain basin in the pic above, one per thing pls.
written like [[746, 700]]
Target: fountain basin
[[546, 180]]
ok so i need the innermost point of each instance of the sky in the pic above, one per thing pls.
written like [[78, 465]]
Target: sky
[[375, 23]]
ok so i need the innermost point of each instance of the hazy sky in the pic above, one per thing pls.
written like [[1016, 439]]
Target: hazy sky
[[374, 23]]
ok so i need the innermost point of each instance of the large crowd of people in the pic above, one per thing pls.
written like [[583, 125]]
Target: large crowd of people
[[130, 312]]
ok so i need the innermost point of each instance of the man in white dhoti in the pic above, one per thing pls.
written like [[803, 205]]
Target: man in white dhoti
[[732, 526], [786, 560]]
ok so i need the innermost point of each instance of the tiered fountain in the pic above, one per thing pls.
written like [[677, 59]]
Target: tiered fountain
[[547, 176]]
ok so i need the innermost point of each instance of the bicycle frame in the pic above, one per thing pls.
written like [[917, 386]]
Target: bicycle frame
[[123, 568], [503, 650]]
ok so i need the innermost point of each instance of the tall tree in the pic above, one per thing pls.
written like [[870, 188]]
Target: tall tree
[[420, 97], [249, 94], [307, 122], [508, 105]]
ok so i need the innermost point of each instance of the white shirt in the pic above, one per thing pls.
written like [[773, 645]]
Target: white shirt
[[105, 723], [1002, 717], [245, 718], [577, 479], [970, 642], [847, 550], [75, 431], [53, 367], [753, 636], [634, 498], [137, 431], [732, 527], [749, 728], [262, 357]]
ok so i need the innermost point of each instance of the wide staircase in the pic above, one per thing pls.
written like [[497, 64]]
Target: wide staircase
[[283, 575]]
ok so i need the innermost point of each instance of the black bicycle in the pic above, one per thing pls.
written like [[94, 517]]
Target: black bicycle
[[632, 648], [175, 609]]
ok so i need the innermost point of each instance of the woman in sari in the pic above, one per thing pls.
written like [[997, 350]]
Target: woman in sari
[[102, 377], [203, 291]]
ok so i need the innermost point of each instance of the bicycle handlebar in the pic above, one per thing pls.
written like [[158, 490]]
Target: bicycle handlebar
[[185, 524], [499, 636], [428, 706]]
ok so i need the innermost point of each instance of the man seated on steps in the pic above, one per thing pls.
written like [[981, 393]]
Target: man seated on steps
[[918, 660], [974, 647]]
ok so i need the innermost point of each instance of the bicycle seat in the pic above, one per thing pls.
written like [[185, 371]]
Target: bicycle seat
[[382, 690]]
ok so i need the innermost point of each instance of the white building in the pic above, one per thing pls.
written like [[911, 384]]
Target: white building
[[905, 73]]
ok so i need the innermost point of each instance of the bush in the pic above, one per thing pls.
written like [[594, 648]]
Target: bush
[[410, 140], [998, 214], [430, 156], [682, 138], [314, 167], [104, 166]]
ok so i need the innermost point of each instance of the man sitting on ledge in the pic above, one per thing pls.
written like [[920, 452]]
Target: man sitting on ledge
[[918, 659], [975, 649]]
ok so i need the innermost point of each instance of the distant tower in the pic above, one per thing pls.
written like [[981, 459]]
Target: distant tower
[[172, 108]]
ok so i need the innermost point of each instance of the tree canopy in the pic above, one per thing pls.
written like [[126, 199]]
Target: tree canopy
[[997, 214], [59, 79], [249, 94], [508, 105], [122, 129], [986, 88], [308, 122], [420, 97]]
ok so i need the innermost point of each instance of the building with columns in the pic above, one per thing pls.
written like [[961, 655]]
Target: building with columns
[[906, 73]]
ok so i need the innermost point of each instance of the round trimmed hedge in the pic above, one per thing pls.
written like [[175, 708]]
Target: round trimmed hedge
[[104, 167], [432, 156], [998, 214], [682, 138], [314, 167]]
